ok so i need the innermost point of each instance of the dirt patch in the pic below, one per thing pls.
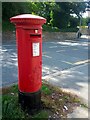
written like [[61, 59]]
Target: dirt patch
[[58, 102]]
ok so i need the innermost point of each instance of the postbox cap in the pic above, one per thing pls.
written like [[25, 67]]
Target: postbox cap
[[28, 18]]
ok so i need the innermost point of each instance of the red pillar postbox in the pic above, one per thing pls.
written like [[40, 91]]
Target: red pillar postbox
[[29, 43]]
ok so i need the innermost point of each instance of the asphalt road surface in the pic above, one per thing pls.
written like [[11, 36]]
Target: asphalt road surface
[[57, 56]]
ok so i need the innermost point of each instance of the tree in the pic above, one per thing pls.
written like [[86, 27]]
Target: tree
[[58, 14], [10, 9], [74, 22], [62, 17]]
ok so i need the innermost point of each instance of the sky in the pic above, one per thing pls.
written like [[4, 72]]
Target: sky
[[86, 14]]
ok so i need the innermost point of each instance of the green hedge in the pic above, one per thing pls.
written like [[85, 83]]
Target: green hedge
[[7, 26]]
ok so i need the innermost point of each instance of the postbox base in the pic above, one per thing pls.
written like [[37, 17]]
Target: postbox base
[[30, 102]]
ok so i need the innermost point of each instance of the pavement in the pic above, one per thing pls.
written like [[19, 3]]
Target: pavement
[[75, 81], [65, 64]]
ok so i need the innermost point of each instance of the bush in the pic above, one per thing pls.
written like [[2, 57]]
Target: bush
[[7, 26], [50, 28], [69, 30]]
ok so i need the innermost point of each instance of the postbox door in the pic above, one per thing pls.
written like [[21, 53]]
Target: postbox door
[[36, 53], [30, 67]]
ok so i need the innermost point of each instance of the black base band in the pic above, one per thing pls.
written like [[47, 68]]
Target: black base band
[[30, 102]]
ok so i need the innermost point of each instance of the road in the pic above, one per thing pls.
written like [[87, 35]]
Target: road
[[64, 55], [57, 56]]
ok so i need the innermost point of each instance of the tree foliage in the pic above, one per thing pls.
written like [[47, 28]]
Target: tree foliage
[[63, 17], [58, 14]]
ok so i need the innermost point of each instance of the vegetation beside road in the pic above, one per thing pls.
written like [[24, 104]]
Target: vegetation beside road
[[7, 26], [56, 103], [58, 14]]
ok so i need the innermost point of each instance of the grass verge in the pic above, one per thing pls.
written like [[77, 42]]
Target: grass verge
[[56, 104]]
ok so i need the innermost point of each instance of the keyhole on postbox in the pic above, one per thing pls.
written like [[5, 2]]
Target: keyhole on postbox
[[36, 31]]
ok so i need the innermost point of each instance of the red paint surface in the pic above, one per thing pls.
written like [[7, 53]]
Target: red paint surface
[[29, 66]]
